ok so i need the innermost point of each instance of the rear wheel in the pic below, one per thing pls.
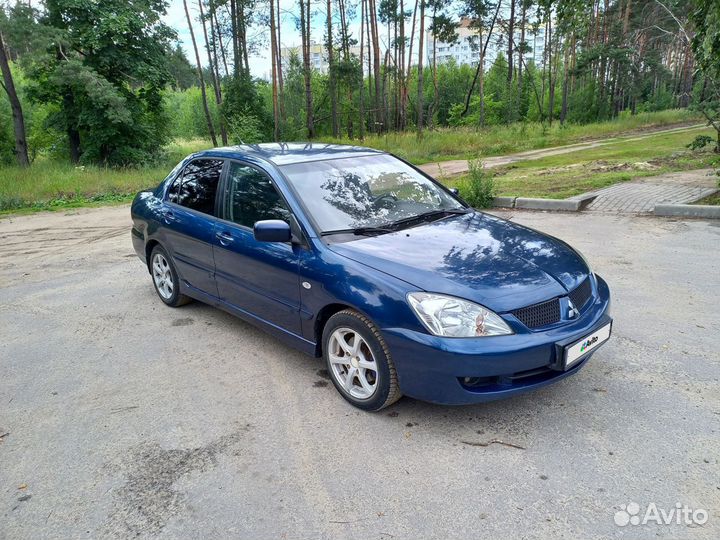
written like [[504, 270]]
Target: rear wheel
[[165, 278], [359, 362]]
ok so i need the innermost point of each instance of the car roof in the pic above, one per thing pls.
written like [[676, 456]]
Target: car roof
[[287, 153]]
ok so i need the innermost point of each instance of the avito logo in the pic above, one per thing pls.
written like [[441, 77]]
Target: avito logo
[[589, 342]]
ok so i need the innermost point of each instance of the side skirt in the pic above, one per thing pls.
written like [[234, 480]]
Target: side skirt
[[288, 338]]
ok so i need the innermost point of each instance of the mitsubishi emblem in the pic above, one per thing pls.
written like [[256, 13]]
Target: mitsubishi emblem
[[572, 310]]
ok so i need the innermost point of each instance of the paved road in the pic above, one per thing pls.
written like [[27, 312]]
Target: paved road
[[447, 169], [121, 417]]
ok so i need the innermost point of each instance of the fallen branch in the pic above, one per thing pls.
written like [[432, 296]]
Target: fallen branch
[[493, 441], [123, 409]]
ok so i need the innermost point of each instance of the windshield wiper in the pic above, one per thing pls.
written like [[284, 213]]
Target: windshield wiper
[[426, 216], [359, 231]]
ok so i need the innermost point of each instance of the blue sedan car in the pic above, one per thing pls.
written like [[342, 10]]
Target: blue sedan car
[[354, 255]]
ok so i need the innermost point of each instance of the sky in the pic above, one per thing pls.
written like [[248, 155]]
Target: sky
[[259, 62]]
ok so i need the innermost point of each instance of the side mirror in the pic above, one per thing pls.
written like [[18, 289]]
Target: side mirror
[[454, 191], [272, 230]]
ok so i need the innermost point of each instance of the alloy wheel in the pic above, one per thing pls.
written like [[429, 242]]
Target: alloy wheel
[[352, 363], [162, 276]]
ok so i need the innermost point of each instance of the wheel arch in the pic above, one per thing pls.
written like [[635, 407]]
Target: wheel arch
[[324, 316], [149, 246]]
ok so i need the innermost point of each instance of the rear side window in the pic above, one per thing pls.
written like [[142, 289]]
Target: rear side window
[[253, 197], [197, 186]]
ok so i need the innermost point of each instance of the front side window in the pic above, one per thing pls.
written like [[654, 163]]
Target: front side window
[[197, 186], [368, 191], [253, 197]]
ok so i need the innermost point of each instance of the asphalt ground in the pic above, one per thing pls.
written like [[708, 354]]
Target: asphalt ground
[[121, 417]]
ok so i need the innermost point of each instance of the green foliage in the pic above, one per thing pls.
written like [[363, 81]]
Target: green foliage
[[54, 183], [103, 71], [245, 113], [478, 187], [706, 46], [700, 142], [188, 118], [245, 128]]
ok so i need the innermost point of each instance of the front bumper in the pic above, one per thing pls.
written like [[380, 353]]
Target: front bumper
[[456, 371]]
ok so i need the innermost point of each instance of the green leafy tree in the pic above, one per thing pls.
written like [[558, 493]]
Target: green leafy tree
[[105, 68], [706, 45], [181, 70], [249, 119]]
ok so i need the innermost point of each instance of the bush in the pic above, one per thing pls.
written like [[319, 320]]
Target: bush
[[478, 188], [700, 142]]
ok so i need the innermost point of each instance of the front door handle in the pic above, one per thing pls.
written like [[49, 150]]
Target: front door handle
[[225, 238]]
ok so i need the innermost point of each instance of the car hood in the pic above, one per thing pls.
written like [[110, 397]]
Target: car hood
[[476, 256]]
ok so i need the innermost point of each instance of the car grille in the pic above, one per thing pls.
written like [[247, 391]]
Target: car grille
[[548, 312], [539, 315], [581, 294]]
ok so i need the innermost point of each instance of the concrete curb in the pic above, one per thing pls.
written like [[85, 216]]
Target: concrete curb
[[688, 210], [504, 202], [562, 205]]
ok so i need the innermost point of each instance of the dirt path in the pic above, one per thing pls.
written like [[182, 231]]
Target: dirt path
[[445, 169], [58, 243]]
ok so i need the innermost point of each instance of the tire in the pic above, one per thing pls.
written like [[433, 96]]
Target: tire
[[373, 383], [165, 278]]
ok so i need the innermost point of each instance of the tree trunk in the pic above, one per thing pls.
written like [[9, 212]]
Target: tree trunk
[[483, 48], [362, 70], [212, 65], [242, 25], [331, 73], [273, 62], [379, 112], [305, 36], [520, 52], [21, 151], [214, 20], [420, 104], [373, 127], [551, 80], [436, 91], [235, 39], [406, 84], [281, 82], [345, 37], [511, 32], [401, 68], [481, 81], [201, 78], [563, 110]]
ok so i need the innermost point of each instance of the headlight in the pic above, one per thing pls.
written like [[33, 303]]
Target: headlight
[[453, 317]]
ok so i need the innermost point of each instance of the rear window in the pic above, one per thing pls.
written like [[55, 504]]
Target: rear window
[[197, 186]]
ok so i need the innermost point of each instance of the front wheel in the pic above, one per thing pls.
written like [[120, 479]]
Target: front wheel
[[359, 361]]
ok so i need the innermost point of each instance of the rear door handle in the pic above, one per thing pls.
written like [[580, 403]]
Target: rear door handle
[[168, 216], [225, 238]]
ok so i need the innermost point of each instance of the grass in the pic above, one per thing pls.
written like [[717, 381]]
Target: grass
[[472, 143], [50, 185], [565, 175], [713, 200]]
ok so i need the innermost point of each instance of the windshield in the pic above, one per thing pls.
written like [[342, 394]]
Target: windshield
[[371, 191]]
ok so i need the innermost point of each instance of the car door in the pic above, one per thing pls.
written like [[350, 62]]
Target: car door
[[259, 278], [189, 217]]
